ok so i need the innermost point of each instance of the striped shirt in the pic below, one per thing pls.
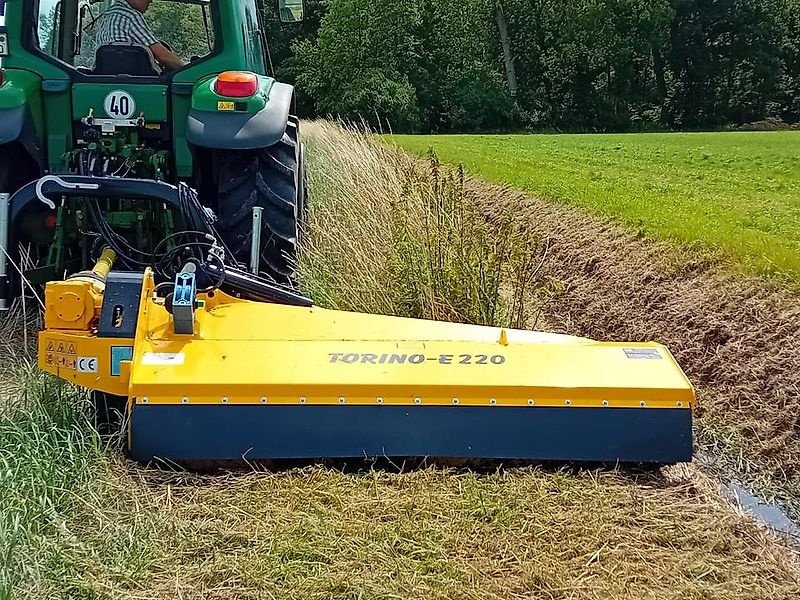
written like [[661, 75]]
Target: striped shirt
[[123, 24]]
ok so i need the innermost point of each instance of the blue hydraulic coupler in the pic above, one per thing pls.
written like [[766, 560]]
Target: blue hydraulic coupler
[[183, 303]]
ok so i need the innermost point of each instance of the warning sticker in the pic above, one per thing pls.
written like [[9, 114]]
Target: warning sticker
[[163, 358], [63, 355], [643, 353]]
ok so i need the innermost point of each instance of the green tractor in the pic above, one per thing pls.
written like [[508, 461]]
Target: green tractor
[[100, 147]]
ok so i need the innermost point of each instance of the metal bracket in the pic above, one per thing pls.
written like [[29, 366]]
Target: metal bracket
[[183, 302], [119, 314], [110, 125], [255, 241]]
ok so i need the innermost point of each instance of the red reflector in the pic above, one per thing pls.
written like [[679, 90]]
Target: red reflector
[[237, 84], [2, 76], [50, 221]]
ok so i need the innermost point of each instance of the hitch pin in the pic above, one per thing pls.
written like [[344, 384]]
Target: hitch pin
[[255, 240], [5, 200]]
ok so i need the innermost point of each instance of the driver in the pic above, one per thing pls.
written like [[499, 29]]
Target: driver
[[124, 23]]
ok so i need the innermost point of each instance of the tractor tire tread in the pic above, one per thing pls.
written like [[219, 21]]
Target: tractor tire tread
[[268, 178]]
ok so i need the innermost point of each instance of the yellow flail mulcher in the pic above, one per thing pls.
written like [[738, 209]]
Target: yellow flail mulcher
[[205, 375]]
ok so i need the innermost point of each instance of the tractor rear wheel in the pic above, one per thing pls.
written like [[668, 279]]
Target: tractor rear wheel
[[271, 178]]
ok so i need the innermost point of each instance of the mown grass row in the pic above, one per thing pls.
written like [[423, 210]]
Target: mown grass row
[[80, 522]]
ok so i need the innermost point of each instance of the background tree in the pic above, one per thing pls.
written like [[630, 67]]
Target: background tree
[[789, 95], [724, 58], [584, 65], [364, 60]]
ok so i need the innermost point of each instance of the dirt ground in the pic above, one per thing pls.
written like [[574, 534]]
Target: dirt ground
[[737, 337]]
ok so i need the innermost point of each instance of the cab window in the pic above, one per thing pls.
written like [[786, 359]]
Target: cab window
[[49, 24], [68, 30], [183, 27]]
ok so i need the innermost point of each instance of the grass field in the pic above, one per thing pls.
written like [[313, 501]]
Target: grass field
[[79, 521], [734, 192]]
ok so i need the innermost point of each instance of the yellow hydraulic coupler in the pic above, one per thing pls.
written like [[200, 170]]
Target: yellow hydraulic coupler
[[75, 303]]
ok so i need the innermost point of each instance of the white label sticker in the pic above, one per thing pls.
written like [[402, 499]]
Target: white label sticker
[[3, 44], [120, 104], [87, 364], [163, 358], [643, 353]]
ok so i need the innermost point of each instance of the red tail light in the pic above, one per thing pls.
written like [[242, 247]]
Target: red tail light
[[237, 84], [2, 76]]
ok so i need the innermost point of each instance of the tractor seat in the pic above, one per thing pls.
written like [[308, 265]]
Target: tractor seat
[[123, 59]]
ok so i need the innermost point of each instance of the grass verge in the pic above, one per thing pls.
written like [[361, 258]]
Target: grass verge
[[391, 238], [736, 336], [87, 525], [733, 192]]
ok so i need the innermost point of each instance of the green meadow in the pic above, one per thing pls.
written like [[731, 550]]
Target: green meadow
[[735, 192]]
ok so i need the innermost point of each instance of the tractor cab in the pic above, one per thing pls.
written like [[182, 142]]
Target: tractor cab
[[78, 54]]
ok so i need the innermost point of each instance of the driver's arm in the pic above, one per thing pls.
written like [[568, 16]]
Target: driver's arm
[[141, 34], [165, 57]]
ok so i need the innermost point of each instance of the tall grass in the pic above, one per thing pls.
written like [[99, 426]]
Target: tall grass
[[71, 524], [46, 449], [398, 237]]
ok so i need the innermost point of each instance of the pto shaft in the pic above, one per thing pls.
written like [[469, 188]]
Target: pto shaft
[[104, 264]]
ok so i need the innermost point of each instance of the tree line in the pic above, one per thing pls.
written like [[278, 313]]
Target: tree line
[[583, 65], [493, 65]]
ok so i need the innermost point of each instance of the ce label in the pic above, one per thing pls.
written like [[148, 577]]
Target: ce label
[[87, 364]]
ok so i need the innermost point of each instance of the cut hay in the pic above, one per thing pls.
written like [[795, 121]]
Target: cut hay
[[519, 534]]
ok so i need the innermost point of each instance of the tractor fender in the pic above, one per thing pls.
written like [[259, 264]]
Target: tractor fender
[[19, 98], [232, 131], [17, 130], [12, 122]]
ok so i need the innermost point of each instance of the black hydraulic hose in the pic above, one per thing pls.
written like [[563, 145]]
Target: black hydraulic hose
[[256, 288]]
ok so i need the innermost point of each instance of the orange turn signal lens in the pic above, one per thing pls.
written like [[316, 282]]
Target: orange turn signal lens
[[237, 84]]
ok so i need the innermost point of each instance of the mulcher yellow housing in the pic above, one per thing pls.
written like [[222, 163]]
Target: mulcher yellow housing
[[259, 380]]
